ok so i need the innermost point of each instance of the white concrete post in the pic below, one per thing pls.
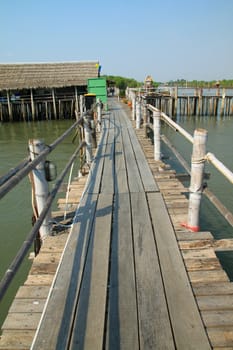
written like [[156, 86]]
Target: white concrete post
[[156, 127], [98, 105], [40, 185], [196, 182], [88, 138], [138, 113]]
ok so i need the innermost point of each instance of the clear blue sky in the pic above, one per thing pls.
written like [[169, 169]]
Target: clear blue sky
[[170, 39]]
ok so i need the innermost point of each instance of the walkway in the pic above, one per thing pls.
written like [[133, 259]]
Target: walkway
[[121, 283]]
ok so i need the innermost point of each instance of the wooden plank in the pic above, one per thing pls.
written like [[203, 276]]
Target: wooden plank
[[146, 175], [199, 254], [39, 280], [223, 288], [89, 322], [107, 185], [27, 305], [154, 324], [31, 292], [218, 318], [215, 302], [202, 264], [222, 337], [122, 323], [183, 310], [22, 321], [95, 174], [120, 176], [55, 326], [19, 340], [192, 236], [214, 276], [134, 178]]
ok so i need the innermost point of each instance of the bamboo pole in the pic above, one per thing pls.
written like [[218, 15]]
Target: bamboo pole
[[32, 105], [54, 103], [40, 186], [156, 127], [197, 174], [9, 106]]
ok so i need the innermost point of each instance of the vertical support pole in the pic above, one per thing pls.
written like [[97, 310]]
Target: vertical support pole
[[81, 104], [32, 105], [9, 106], [133, 106], [196, 183], [54, 104], [98, 107], [138, 113], [156, 127], [76, 98], [88, 138], [40, 186], [223, 102]]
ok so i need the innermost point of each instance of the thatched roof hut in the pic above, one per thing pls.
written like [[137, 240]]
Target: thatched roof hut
[[46, 75]]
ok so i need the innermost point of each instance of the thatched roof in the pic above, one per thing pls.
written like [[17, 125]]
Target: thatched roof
[[46, 75]]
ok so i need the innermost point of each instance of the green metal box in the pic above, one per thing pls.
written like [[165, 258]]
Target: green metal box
[[98, 86]]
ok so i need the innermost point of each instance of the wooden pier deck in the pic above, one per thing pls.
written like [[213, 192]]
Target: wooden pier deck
[[129, 277]]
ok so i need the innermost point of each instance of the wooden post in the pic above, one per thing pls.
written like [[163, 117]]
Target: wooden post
[[54, 103], [9, 107], [133, 106], [40, 186], [33, 106], [223, 102], [156, 126], [196, 184], [98, 106], [76, 98], [81, 104], [138, 113], [88, 138]]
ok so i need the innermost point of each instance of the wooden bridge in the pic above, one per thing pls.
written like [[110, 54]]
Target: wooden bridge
[[122, 280]]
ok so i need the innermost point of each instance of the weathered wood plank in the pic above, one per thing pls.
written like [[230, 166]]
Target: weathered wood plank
[[21, 321], [107, 181], [222, 337], [192, 236], [147, 178], [183, 311], [223, 288], [27, 305], [202, 264], [31, 292], [154, 324], [67, 283], [215, 302], [134, 178], [214, 276], [122, 323], [17, 340], [218, 318], [89, 322]]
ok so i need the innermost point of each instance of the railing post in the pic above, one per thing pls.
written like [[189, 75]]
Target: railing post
[[98, 106], [133, 106], [156, 127], [40, 186], [138, 113], [196, 183], [88, 138]]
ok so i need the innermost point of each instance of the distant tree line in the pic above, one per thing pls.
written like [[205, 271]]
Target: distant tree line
[[122, 83]]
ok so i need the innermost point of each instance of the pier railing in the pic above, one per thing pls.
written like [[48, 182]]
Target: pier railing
[[150, 116], [35, 167]]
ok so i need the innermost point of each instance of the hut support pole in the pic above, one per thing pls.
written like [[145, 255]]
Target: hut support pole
[[39, 186], [197, 172], [76, 98], [156, 127], [9, 107], [32, 105], [54, 104]]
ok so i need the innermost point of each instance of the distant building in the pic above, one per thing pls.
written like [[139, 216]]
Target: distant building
[[39, 91]]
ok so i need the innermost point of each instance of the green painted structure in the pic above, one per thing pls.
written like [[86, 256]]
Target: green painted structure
[[98, 86]]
